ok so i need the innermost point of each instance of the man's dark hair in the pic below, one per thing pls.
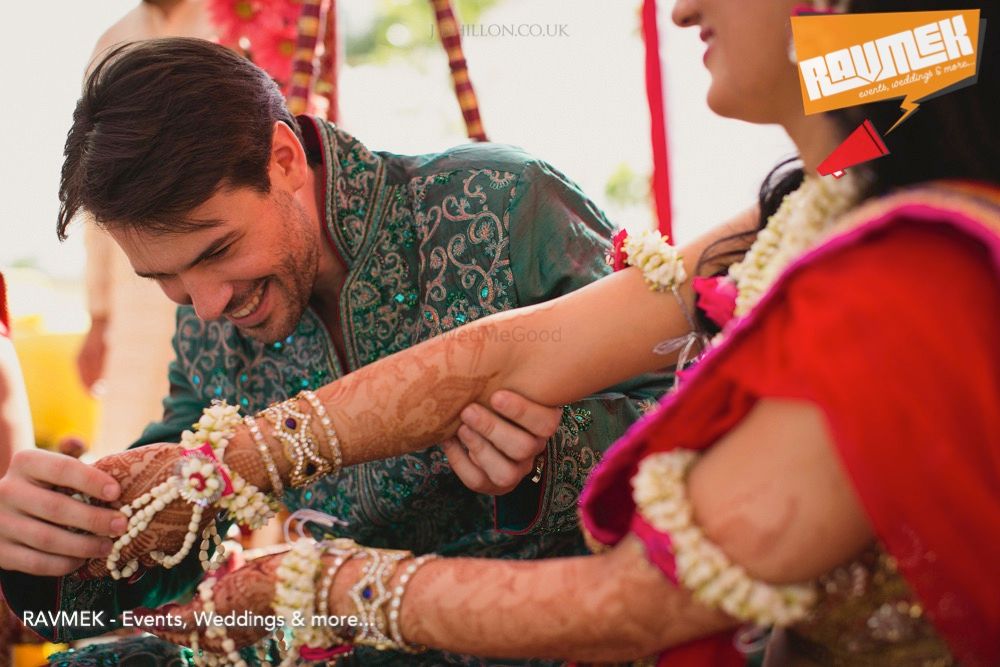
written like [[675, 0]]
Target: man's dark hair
[[161, 125]]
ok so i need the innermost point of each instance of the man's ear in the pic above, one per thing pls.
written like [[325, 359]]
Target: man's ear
[[288, 166]]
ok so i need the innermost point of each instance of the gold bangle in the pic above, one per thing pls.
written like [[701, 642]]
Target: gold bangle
[[371, 593], [291, 428]]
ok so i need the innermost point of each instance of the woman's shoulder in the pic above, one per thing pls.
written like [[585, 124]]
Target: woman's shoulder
[[957, 215], [921, 241]]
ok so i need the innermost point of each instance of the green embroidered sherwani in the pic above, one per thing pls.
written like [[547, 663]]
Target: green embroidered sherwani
[[430, 242]]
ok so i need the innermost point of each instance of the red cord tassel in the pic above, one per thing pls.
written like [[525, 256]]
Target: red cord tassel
[[658, 119], [451, 39]]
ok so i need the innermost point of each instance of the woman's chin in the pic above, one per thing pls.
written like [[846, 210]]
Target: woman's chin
[[727, 103]]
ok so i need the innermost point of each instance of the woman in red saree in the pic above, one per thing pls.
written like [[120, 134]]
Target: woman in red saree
[[831, 468]]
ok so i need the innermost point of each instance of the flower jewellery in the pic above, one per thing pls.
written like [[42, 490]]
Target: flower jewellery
[[204, 481], [803, 216], [659, 492], [663, 269]]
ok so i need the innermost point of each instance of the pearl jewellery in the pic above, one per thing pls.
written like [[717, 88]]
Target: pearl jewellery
[[659, 492], [202, 480], [299, 604], [397, 602], [371, 593], [277, 487]]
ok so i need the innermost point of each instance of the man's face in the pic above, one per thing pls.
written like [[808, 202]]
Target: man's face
[[254, 261]]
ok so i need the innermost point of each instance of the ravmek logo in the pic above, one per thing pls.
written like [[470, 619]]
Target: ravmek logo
[[63, 618], [851, 59], [886, 58]]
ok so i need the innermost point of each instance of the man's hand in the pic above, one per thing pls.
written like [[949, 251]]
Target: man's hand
[[493, 451], [35, 519]]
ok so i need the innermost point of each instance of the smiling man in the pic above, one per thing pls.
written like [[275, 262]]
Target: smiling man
[[298, 255]]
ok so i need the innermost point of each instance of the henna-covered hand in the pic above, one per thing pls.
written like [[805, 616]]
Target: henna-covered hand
[[138, 471], [250, 588]]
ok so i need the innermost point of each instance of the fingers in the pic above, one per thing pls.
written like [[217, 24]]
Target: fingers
[[62, 510], [509, 439], [539, 420], [468, 472], [65, 471], [501, 471], [22, 559], [53, 540]]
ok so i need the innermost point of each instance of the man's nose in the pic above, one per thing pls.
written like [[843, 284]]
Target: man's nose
[[209, 299]]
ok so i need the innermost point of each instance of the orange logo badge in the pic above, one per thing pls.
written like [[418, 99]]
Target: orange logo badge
[[850, 59]]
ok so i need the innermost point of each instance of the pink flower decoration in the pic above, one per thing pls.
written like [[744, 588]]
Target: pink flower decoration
[[233, 17], [268, 29], [717, 297], [272, 51], [618, 258]]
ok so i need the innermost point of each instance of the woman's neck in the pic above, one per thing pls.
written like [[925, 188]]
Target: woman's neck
[[815, 137]]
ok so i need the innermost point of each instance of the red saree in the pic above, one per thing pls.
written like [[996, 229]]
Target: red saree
[[892, 328]]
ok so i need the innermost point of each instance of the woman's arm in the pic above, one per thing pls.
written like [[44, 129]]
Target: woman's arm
[[771, 494], [551, 353]]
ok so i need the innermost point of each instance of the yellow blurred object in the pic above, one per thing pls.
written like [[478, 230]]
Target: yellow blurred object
[[60, 405], [33, 655]]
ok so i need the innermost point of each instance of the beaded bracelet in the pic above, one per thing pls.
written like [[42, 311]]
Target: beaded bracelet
[[277, 487], [295, 594], [396, 604], [659, 492], [332, 441]]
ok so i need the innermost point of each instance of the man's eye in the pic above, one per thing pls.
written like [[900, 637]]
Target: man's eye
[[219, 253]]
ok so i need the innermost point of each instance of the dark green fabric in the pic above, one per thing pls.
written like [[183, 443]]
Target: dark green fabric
[[430, 243]]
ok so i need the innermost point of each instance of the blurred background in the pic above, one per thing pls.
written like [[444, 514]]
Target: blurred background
[[572, 94]]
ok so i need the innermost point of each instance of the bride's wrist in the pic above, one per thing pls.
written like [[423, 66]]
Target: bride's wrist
[[296, 441], [257, 458]]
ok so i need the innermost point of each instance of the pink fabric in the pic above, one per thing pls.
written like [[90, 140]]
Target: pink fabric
[[717, 297]]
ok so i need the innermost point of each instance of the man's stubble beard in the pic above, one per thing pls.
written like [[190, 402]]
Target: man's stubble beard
[[296, 277]]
